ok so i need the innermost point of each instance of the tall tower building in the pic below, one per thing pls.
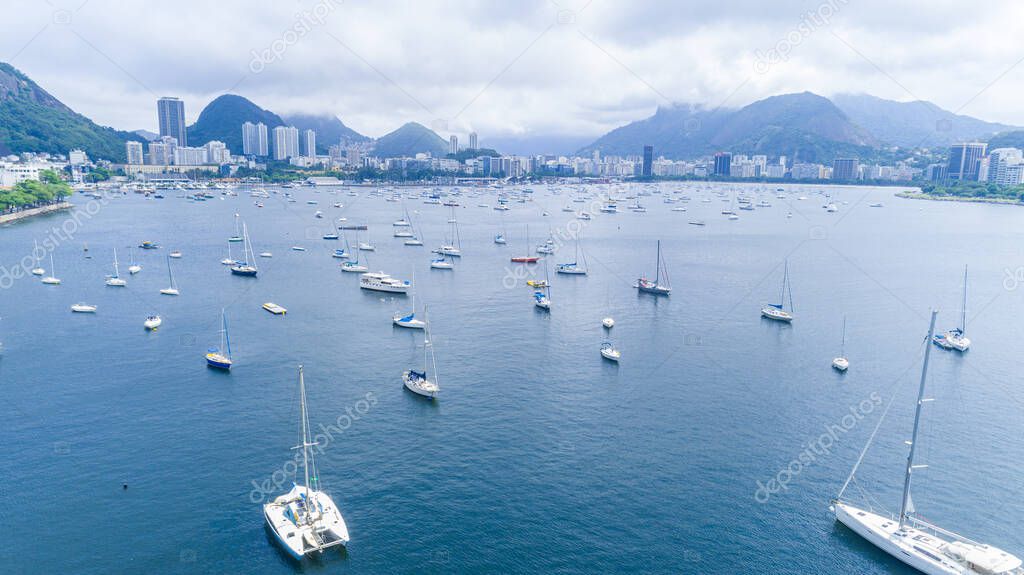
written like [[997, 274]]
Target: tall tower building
[[133, 152], [844, 169], [453, 144], [171, 117], [646, 170], [723, 164], [964, 160], [309, 140], [254, 139], [472, 141], [286, 142]]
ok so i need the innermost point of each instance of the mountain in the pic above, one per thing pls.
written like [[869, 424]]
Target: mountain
[[409, 140], [804, 126], [913, 124], [32, 120], [222, 120], [329, 130], [1011, 139], [146, 135]]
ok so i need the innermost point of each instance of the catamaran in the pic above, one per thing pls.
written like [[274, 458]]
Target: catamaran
[[115, 280], [246, 267], [220, 357], [173, 288], [842, 363], [777, 311], [655, 286], [579, 264], [910, 539], [956, 338], [305, 520], [418, 381]]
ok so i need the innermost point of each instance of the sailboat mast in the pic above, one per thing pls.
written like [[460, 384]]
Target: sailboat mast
[[657, 264], [963, 307], [225, 339], [917, 423], [305, 441], [842, 346]]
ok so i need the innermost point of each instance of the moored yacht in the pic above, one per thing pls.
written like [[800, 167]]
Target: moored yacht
[[380, 281]]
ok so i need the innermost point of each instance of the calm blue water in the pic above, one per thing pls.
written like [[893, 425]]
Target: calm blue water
[[540, 457]]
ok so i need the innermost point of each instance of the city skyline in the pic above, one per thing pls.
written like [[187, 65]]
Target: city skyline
[[614, 63]]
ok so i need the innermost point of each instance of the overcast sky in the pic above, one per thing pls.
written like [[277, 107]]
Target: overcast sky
[[524, 69]]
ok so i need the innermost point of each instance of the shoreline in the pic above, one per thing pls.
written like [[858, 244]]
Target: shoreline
[[969, 200], [33, 212]]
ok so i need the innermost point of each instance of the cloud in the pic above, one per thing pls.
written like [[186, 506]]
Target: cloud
[[554, 69]]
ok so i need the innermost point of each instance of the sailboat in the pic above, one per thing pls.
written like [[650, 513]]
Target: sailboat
[[452, 244], [910, 539], [542, 296], [230, 260], [116, 280], [173, 288], [956, 338], [51, 279], [220, 357], [527, 259], [409, 320], [305, 520], [655, 286], [777, 311], [38, 271], [419, 381], [246, 267], [579, 264], [133, 268], [237, 237], [353, 266], [842, 363]]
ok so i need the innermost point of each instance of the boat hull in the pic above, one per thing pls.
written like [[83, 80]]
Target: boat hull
[[772, 313], [218, 361]]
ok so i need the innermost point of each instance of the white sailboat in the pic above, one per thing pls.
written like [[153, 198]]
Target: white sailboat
[[655, 286], [133, 268], [419, 382], [578, 266], [305, 520], [409, 320], [956, 338], [542, 295], [777, 311], [842, 363], [51, 279], [116, 280], [910, 539], [173, 288], [246, 267], [237, 237], [230, 260], [452, 244]]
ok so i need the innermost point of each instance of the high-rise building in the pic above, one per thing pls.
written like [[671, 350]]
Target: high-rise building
[[1000, 161], [645, 170], [964, 160], [254, 139], [161, 152], [133, 152], [188, 156], [453, 144], [472, 141], [723, 164], [171, 116], [286, 142], [844, 169], [309, 139], [217, 152]]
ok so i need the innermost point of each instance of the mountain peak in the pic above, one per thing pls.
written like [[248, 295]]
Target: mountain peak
[[410, 139]]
